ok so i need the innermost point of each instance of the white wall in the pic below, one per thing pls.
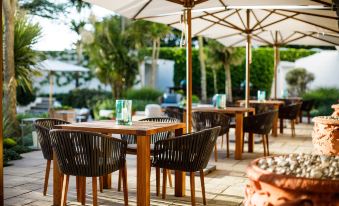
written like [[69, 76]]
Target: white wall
[[324, 66]]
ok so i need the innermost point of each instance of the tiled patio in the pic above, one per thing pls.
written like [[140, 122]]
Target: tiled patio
[[24, 179]]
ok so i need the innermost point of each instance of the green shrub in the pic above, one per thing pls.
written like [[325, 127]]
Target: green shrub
[[107, 104], [323, 99], [21, 149], [9, 143], [195, 99], [9, 155], [143, 94]]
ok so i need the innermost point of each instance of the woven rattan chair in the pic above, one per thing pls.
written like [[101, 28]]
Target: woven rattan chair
[[132, 147], [188, 153], [289, 112], [205, 120], [306, 106], [260, 124], [88, 154], [43, 126], [175, 112]]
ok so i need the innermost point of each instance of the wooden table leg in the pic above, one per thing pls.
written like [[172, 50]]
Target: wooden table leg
[[56, 183], [239, 117], [275, 122], [143, 170], [107, 181], [180, 177], [281, 126], [250, 143]]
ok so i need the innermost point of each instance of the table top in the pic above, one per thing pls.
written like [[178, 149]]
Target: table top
[[110, 127], [264, 102], [227, 110]]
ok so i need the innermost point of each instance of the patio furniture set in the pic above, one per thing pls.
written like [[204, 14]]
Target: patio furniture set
[[87, 149]]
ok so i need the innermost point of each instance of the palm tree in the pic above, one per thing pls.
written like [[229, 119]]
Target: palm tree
[[202, 69], [225, 56]]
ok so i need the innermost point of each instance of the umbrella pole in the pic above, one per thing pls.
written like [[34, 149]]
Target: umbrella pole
[[1, 115], [188, 69], [276, 63], [248, 61]]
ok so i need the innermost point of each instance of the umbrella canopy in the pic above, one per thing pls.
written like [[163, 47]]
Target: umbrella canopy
[[59, 66]]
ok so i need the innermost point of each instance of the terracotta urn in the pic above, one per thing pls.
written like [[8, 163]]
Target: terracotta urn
[[268, 188], [325, 136], [336, 110]]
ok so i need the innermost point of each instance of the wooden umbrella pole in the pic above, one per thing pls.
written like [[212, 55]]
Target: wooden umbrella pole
[[248, 60], [188, 69], [276, 63], [51, 90]]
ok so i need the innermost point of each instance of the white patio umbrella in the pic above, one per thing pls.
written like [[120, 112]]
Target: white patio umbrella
[[58, 66], [168, 11]]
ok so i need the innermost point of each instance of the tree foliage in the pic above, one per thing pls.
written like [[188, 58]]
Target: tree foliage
[[110, 55], [297, 80]]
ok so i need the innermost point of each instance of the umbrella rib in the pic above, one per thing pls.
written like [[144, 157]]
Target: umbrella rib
[[306, 22], [259, 38], [275, 22], [221, 2], [322, 2], [292, 40], [229, 35], [287, 38], [262, 20], [310, 14], [142, 8], [237, 42], [237, 10], [258, 22], [209, 26], [220, 23], [227, 22], [324, 40], [196, 17]]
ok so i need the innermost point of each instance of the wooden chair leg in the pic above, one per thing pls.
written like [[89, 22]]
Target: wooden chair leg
[[48, 168], [95, 191], [164, 180], [169, 178], [267, 146], [308, 117], [83, 190], [192, 188], [124, 182], [222, 141], [202, 181], [216, 152], [64, 190], [227, 145], [293, 127], [157, 180], [243, 142], [101, 184], [77, 185], [281, 126], [263, 144], [119, 181]]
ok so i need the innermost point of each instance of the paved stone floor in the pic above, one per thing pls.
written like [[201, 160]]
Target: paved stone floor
[[224, 186]]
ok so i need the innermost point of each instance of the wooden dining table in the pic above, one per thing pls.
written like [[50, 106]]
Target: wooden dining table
[[275, 104], [239, 113], [143, 131]]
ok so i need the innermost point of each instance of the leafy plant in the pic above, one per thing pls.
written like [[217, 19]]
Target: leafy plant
[[323, 99], [297, 80], [9, 143], [143, 94]]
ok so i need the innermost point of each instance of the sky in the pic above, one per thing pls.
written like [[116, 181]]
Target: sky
[[57, 35]]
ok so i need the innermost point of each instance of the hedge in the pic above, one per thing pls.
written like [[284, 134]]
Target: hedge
[[261, 74]]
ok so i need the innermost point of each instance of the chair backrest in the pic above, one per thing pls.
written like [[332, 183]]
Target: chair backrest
[[86, 153], [153, 110], [132, 139], [190, 152], [307, 105], [43, 126], [175, 112], [205, 120], [261, 108], [260, 123], [290, 111]]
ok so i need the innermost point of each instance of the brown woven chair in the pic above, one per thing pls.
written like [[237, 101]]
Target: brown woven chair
[[43, 126], [188, 153], [205, 120], [132, 146], [175, 112], [260, 124], [88, 154], [306, 106], [289, 112]]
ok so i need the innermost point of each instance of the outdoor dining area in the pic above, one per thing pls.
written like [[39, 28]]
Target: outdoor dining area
[[257, 150]]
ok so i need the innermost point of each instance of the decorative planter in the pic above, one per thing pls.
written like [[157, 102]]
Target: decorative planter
[[268, 188], [325, 136], [66, 115], [336, 110]]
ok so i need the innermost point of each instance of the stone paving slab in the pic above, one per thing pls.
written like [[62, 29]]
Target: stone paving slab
[[224, 186]]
